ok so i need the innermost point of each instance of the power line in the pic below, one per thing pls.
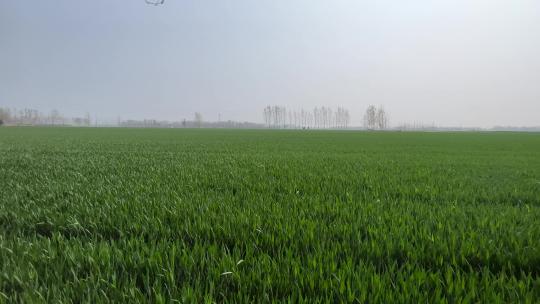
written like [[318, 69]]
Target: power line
[[154, 2]]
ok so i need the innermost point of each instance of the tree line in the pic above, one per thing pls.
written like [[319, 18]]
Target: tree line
[[34, 117], [318, 118], [322, 118], [274, 117]]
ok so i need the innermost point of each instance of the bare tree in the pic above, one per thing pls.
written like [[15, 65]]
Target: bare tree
[[87, 119], [198, 119], [5, 115], [55, 117], [382, 118], [267, 116], [375, 118], [283, 112], [370, 118]]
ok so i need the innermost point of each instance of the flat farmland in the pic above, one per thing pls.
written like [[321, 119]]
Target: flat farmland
[[92, 215]]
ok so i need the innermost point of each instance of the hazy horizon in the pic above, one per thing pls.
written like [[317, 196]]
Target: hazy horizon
[[452, 63]]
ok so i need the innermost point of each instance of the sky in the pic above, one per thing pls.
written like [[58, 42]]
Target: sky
[[469, 63]]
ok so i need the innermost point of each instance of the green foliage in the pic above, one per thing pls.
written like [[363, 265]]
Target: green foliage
[[204, 216]]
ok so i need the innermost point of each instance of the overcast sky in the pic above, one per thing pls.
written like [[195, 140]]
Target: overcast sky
[[451, 62]]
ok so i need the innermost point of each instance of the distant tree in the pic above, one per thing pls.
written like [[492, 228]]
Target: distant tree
[[375, 118], [198, 119], [267, 116], [55, 117], [1, 122], [78, 121], [370, 118], [5, 115], [381, 118], [290, 119], [87, 119]]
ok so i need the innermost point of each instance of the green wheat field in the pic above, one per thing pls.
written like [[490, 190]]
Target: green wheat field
[[91, 215]]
